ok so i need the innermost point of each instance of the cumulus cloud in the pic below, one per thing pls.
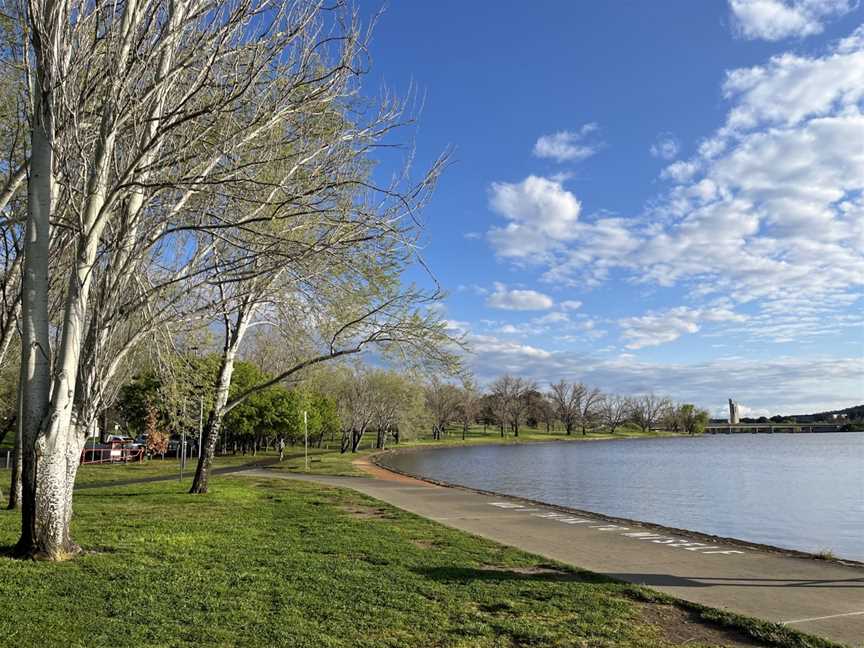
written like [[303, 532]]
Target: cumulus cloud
[[566, 146], [774, 20], [771, 207], [654, 329], [515, 299], [510, 355], [666, 147], [791, 88], [541, 214]]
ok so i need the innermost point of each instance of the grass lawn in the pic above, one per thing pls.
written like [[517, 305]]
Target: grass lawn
[[272, 563]]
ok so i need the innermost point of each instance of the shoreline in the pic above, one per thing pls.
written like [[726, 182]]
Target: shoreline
[[378, 459]]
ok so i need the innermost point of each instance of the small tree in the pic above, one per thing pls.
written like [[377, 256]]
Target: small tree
[[157, 440], [693, 420]]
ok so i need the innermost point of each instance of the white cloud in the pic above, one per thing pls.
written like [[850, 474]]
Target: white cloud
[[570, 304], [566, 146], [516, 299], [792, 88], [541, 213], [771, 208], [658, 328], [777, 19], [510, 355], [680, 171], [553, 318], [666, 147], [652, 330]]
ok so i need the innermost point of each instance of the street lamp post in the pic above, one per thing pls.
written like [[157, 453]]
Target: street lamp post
[[306, 440]]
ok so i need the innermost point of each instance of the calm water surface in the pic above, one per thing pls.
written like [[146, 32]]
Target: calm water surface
[[799, 491]]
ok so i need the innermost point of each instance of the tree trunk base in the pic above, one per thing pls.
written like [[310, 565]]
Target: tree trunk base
[[33, 552]]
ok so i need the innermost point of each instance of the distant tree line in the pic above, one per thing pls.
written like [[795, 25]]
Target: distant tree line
[[851, 418], [511, 403], [349, 405]]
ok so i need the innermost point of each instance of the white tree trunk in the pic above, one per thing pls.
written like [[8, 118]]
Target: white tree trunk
[[220, 401], [214, 422], [35, 346]]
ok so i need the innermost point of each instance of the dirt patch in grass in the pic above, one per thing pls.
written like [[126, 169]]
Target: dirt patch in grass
[[683, 628], [424, 544], [364, 512]]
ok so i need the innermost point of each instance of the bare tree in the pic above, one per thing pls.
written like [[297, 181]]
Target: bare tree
[[510, 395], [391, 398], [567, 400], [356, 410], [592, 399], [649, 410], [442, 401], [614, 411], [469, 404]]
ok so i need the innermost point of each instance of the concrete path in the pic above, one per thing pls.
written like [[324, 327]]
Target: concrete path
[[813, 596]]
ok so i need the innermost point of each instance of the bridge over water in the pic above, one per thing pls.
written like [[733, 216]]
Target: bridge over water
[[768, 428]]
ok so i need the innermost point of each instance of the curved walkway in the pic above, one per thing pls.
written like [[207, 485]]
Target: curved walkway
[[817, 597]]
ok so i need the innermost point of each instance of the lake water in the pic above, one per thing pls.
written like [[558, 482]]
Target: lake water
[[798, 491]]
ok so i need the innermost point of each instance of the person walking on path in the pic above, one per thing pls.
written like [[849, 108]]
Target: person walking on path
[[281, 446]]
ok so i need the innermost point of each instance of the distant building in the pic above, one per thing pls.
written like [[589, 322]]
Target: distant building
[[734, 413]]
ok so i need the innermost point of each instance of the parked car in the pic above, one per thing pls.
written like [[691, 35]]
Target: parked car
[[118, 438]]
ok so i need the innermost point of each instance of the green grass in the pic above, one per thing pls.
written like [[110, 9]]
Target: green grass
[[274, 563]]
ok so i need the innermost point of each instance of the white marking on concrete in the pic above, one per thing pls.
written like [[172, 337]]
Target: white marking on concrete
[[656, 538], [830, 616], [725, 552]]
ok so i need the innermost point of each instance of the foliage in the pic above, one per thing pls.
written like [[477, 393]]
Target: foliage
[[694, 419], [137, 400]]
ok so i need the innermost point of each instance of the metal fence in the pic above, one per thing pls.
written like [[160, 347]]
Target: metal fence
[[111, 455]]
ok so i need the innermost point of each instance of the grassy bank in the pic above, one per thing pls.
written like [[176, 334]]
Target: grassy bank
[[273, 563]]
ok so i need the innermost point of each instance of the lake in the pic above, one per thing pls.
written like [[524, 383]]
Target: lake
[[798, 491]]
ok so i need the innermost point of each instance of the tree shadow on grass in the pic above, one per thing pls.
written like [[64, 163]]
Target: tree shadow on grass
[[7, 551], [151, 494], [491, 573]]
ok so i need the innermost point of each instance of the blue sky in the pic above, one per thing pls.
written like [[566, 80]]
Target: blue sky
[[660, 196]]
